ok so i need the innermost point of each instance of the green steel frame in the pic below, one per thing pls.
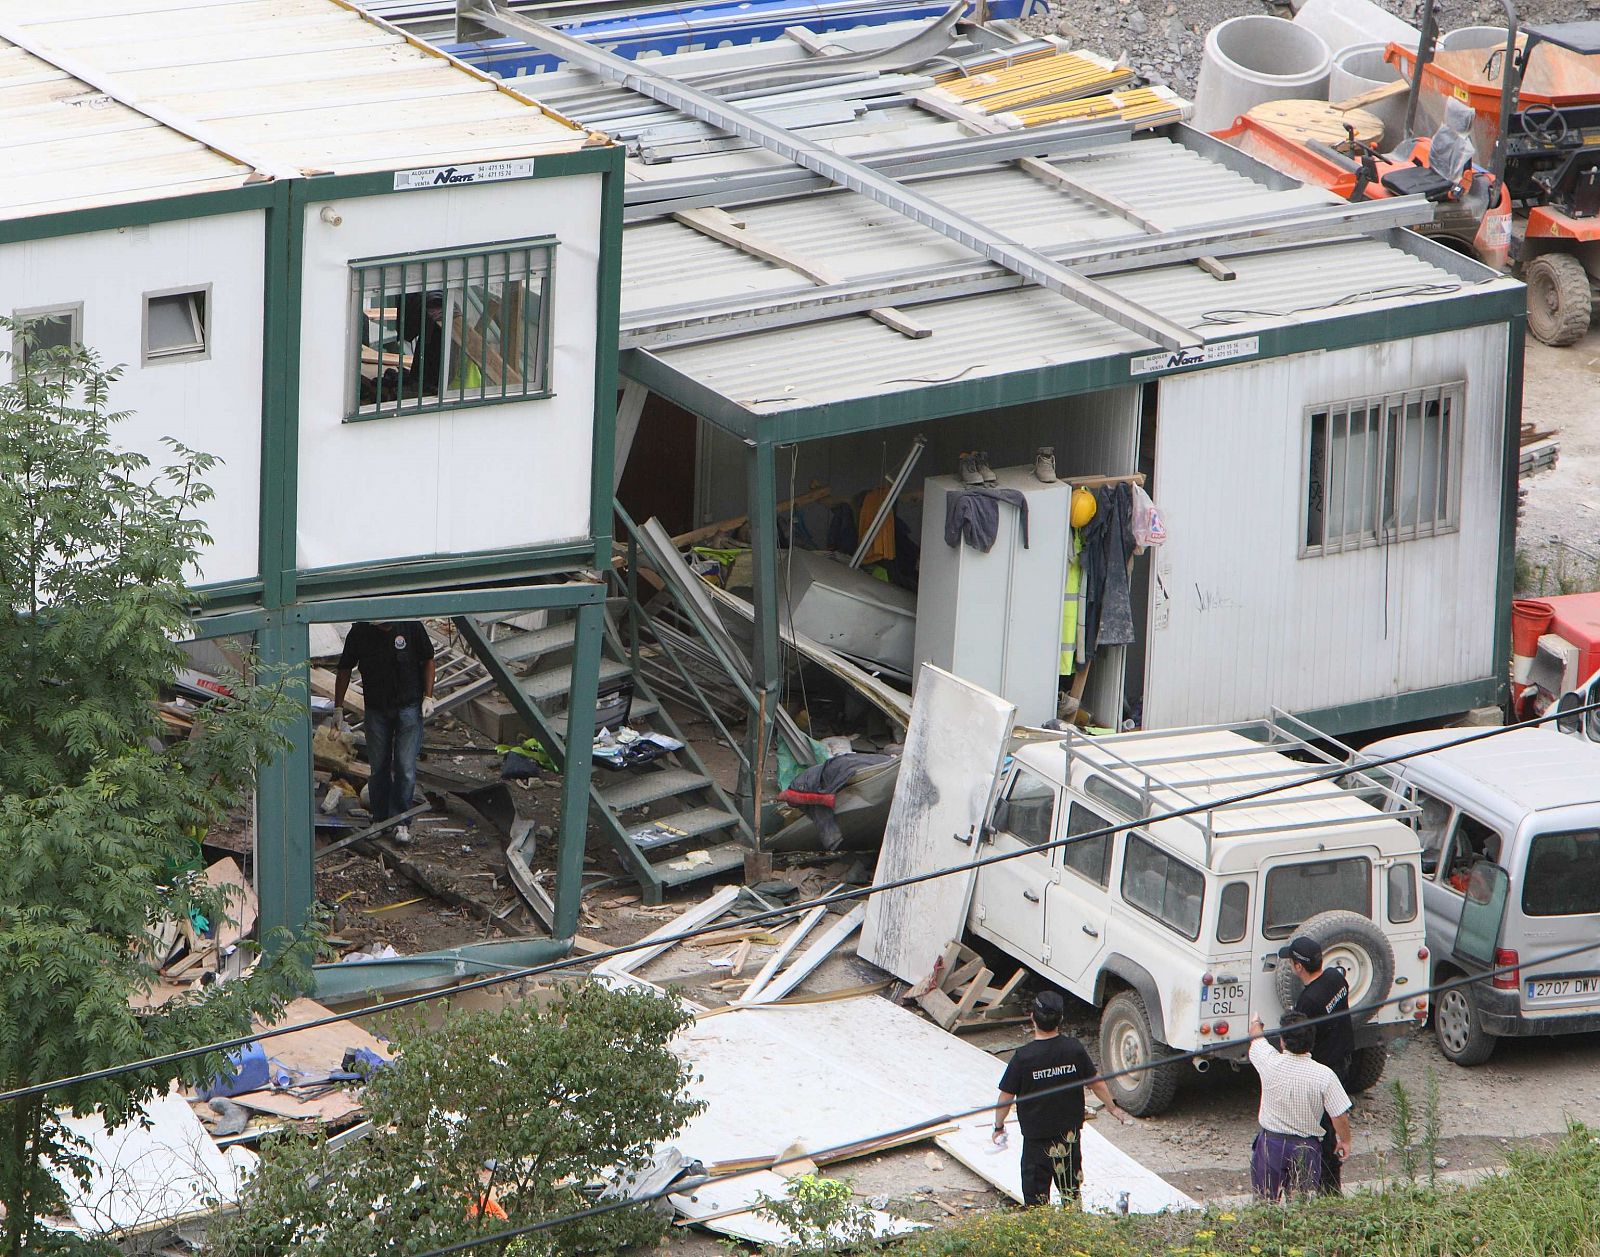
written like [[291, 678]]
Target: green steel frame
[[278, 606]]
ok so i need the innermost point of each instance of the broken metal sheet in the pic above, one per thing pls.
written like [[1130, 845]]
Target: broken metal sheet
[[782, 1079], [808, 960], [726, 1208], [159, 1168], [954, 749]]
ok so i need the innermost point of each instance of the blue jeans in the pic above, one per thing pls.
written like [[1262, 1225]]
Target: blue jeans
[[394, 740]]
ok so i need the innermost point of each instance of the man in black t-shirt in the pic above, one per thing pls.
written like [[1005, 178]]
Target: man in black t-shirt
[[1045, 1080], [395, 658], [1326, 992]]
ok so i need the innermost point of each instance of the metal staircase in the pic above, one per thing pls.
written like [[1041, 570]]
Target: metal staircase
[[687, 811]]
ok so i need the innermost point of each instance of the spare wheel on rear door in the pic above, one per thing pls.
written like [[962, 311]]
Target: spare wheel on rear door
[[1357, 946]]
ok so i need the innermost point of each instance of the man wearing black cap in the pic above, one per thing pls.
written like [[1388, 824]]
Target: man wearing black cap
[[1326, 994], [1052, 1120]]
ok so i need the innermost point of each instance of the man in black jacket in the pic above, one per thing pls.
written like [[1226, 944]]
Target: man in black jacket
[[1325, 993], [395, 658], [1052, 1122]]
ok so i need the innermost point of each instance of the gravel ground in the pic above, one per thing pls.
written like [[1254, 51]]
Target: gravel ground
[[1162, 39]]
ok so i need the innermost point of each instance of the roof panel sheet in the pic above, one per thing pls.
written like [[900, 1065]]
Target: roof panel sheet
[[279, 87]]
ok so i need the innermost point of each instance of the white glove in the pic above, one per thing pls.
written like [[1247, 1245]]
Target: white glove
[[428, 704]]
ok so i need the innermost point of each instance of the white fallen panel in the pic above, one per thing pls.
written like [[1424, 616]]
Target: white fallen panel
[[954, 748], [144, 1176], [727, 1208], [832, 1075]]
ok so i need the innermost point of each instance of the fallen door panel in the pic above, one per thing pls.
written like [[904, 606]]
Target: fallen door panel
[[954, 748]]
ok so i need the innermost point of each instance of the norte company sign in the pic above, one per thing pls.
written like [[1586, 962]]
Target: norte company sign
[[454, 176], [1204, 355]]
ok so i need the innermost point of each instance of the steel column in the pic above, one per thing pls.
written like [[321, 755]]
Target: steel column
[[576, 767], [284, 792], [765, 658], [1510, 482], [1003, 251]]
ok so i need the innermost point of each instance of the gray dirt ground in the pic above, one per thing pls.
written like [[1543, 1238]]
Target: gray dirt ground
[[1561, 390], [1162, 39]]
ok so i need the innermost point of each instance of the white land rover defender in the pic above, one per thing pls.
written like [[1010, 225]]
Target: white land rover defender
[[1173, 928]]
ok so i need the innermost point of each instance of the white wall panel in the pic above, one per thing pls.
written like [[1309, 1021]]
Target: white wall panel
[[481, 478], [1240, 622], [212, 403]]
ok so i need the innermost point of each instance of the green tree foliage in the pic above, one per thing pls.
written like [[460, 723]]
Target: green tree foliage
[[97, 817], [554, 1100]]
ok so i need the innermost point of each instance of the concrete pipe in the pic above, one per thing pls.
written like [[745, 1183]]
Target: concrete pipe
[[1342, 23], [1473, 37], [1253, 59], [1361, 68]]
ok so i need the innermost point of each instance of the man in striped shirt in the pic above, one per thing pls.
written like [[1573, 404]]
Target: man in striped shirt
[[1286, 1158]]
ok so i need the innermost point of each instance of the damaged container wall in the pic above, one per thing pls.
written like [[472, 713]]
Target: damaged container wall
[[848, 465], [506, 476], [209, 401], [1239, 625]]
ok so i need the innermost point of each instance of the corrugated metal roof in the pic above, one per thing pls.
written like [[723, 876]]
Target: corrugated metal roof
[[64, 145], [163, 97], [995, 334]]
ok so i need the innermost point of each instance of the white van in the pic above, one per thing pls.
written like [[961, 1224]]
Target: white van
[[1510, 833]]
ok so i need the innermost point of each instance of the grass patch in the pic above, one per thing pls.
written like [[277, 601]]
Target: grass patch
[[1545, 1201]]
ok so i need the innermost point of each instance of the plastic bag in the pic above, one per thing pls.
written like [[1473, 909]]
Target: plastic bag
[[1149, 527]]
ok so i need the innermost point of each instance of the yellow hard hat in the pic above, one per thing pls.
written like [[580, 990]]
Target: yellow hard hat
[[1083, 507]]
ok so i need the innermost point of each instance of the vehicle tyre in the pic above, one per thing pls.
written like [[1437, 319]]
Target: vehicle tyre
[[1458, 1027], [1126, 1042], [1352, 943], [1366, 1068], [1558, 298]]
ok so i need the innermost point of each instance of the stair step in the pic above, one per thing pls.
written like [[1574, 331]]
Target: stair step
[[636, 791], [724, 859], [690, 823], [642, 708], [550, 683], [530, 642]]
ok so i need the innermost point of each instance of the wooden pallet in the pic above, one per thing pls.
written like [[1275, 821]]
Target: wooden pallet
[[958, 994]]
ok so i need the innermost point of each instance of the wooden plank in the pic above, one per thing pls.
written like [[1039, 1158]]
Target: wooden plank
[[685, 539], [1216, 268], [786, 949], [939, 1006], [240, 903], [969, 998], [964, 975], [703, 912], [1373, 96], [809, 959], [722, 227], [994, 998], [321, 1049], [953, 751]]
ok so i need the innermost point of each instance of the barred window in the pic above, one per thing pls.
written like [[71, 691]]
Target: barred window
[[1382, 469], [434, 331]]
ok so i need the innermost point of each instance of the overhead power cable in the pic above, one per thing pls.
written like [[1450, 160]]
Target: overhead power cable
[[1332, 773], [822, 1155]]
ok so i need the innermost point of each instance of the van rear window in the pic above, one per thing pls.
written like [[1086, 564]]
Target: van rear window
[[1298, 892], [1563, 877]]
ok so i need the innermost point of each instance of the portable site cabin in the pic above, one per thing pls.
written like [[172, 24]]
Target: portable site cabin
[[255, 208], [1331, 433]]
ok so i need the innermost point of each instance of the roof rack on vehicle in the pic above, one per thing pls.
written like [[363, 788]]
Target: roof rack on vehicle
[[1279, 733]]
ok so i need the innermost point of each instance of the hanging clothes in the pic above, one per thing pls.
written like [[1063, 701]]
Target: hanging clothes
[[882, 548], [1072, 605], [1107, 546], [973, 516]]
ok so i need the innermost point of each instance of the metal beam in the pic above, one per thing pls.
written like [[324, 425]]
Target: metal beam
[[1003, 251], [668, 196], [445, 602], [703, 321]]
